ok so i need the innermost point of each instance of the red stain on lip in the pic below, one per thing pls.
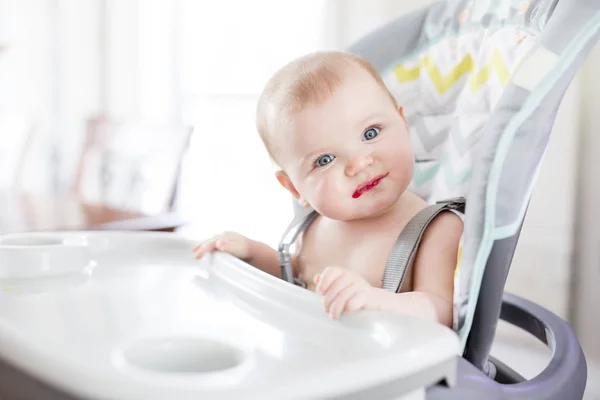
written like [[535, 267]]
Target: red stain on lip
[[365, 187]]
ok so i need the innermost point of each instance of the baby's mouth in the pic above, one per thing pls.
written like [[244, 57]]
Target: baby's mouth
[[370, 184]]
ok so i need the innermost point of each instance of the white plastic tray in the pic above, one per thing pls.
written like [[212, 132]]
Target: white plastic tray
[[135, 316]]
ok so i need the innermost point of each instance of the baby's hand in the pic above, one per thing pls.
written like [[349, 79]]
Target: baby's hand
[[228, 242], [344, 291]]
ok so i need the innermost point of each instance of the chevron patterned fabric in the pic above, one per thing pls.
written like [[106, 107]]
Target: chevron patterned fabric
[[448, 93], [463, 70], [449, 89]]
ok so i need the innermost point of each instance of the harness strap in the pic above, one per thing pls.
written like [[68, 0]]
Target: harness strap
[[402, 253], [294, 229], [409, 239]]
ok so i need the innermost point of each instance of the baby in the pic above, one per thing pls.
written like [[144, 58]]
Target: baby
[[342, 147]]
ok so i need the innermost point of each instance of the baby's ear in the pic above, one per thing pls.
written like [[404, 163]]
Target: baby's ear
[[285, 181], [401, 112]]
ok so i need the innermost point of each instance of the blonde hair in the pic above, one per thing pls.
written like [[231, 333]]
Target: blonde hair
[[310, 79]]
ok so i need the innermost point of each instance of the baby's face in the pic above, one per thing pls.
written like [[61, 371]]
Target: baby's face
[[349, 157]]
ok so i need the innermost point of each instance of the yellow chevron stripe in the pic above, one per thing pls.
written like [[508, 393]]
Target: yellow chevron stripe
[[403, 75], [443, 83], [496, 64], [467, 64]]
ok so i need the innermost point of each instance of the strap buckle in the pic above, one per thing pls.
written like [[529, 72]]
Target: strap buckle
[[289, 237], [455, 203]]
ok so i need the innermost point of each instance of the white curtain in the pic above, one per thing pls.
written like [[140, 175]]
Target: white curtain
[[227, 51]]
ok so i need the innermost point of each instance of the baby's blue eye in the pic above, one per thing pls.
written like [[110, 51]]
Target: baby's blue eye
[[324, 160], [371, 133]]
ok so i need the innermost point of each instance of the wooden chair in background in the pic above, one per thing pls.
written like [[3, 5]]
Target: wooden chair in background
[[127, 179], [134, 167]]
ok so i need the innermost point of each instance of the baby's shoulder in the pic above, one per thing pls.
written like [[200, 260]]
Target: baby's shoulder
[[445, 230]]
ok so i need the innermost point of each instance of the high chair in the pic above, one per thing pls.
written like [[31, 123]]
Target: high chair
[[131, 315], [480, 83]]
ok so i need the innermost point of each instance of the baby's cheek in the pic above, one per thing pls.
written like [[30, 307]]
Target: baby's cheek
[[409, 164], [402, 160], [406, 161], [321, 192], [326, 195]]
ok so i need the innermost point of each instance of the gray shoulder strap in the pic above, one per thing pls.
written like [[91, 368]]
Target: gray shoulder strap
[[291, 234], [408, 241]]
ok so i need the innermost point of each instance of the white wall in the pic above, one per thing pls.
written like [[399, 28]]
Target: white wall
[[50, 69], [542, 267], [77, 83], [26, 72], [586, 272]]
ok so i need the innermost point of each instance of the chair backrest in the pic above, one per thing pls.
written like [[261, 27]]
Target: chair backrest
[[480, 82], [16, 133], [571, 29], [131, 165]]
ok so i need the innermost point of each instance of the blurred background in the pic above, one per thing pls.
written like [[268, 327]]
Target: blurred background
[[98, 99]]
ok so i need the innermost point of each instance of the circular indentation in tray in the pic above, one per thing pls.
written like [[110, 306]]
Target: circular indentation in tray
[[182, 355], [31, 241], [31, 256]]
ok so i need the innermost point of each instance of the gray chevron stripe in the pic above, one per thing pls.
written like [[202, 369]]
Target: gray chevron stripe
[[428, 140], [441, 103], [536, 14], [461, 143]]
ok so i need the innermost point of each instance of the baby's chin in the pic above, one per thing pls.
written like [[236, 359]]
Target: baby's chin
[[357, 209]]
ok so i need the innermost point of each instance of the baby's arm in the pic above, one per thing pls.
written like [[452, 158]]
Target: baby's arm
[[433, 279], [433, 273], [435, 263], [264, 257], [255, 253]]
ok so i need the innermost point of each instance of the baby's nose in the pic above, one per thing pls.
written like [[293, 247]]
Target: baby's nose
[[358, 164]]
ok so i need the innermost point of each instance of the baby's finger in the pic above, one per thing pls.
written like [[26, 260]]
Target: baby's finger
[[198, 247], [206, 247], [326, 278], [232, 245], [336, 287], [340, 302], [356, 302]]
